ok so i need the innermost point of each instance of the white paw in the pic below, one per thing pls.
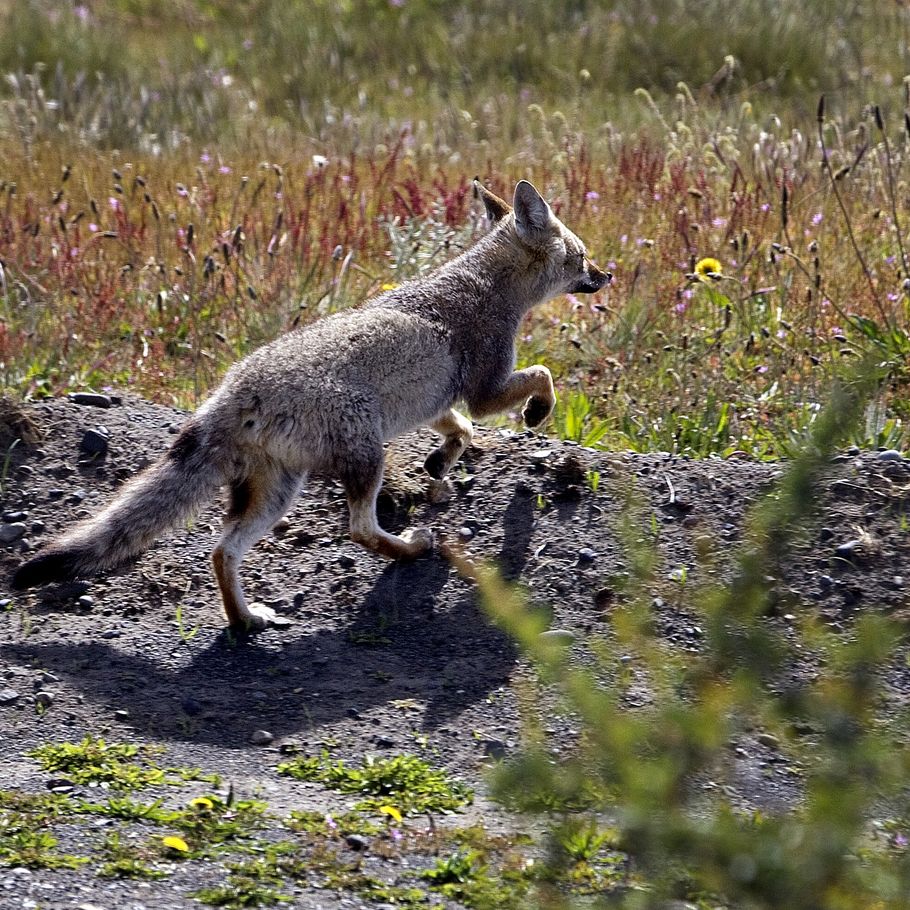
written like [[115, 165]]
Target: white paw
[[261, 617], [419, 540]]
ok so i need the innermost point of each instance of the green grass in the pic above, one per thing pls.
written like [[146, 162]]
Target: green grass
[[405, 782]]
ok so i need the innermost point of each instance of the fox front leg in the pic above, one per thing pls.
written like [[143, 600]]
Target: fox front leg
[[532, 385]]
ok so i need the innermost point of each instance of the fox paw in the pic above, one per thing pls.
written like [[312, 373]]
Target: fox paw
[[418, 540], [435, 465], [262, 617], [536, 411]]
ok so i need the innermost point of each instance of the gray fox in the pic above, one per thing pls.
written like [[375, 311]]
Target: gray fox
[[325, 397]]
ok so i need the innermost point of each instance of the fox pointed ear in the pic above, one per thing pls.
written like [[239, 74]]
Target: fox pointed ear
[[533, 217], [496, 208]]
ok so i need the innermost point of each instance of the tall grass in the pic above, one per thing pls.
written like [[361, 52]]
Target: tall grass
[[236, 170]]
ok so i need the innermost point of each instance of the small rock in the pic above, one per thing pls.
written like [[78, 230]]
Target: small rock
[[92, 399], [108, 634], [8, 697], [586, 554], [465, 533], [826, 581], [191, 706], [281, 526], [346, 561], [55, 493], [540, 456], [384, 742], [38, 526], [889, 455], [495, 748], [357, 842], [44, 700], [95, 442], [15, 516], [825, 534], [897, 581], [354, 714], [59, 784], [12, 532], [122, 714], [852, 551], [261, 737], [769, 740], [560, 636], [86, 602]]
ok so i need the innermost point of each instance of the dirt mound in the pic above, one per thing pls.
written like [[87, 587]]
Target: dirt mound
[[381, 658]]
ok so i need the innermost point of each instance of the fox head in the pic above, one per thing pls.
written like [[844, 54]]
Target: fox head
[[559, 257]]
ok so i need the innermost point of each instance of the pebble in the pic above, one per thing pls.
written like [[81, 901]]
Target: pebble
[[586, 554], [15, 516], [261, 737], [95, 442], [11, 532], [495, 748], [465, 533], [92, 399], [86, 602], [768, 739], [540, 456], [191, 706], [346, 561], [38, 526], [825, 534], [8, 696], [851, 550], [897, 581], [890, 455], [357, 842], [384, 742], [44, 700]]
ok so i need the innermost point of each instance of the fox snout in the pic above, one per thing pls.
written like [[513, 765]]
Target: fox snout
[[593, 280]]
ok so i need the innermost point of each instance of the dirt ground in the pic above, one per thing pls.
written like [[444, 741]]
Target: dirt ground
[[377, 658]]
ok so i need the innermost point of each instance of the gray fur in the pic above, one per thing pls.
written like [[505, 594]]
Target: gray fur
[[326, 397]]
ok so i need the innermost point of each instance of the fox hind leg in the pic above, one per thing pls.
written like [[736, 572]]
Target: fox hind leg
[[362, 478], [533, 385], [256, 504], [458, 433]]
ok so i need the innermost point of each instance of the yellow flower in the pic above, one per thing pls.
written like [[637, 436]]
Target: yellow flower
[[172, 842], [202, 802], [392, 812], [388, 286], [708, 270]]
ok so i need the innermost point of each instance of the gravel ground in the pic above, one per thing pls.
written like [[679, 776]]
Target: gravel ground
[[378, 658]]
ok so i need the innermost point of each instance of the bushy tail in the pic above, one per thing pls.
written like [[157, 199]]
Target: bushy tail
[[162, 496]]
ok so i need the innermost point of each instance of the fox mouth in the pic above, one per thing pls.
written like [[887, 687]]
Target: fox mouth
[[592, 284]]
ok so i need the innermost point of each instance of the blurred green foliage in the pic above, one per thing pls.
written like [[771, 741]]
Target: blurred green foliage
[[657, 771]]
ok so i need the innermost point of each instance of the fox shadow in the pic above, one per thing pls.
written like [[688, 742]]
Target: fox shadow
[[400, 644]]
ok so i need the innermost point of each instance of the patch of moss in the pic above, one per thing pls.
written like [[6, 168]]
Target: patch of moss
[[404, 781], [120, 766]]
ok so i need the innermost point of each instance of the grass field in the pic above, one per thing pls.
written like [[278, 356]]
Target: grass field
[[180, 182]]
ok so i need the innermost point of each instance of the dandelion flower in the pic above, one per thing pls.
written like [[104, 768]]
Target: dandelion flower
[[178, 844], [389, 286], [392, 812], [708, 270]]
